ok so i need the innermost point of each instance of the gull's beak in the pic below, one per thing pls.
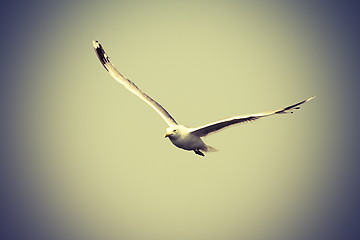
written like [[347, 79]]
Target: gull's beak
[[167, 135]]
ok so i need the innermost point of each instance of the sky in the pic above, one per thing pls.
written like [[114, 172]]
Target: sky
[[83, 158]]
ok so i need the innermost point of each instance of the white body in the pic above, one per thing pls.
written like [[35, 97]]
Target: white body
[[182, 137]]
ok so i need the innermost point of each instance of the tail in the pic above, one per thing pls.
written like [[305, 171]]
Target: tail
[[210, 149], [205, 148]]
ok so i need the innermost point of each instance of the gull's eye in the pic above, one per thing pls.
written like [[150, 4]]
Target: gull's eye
[[174, 130]]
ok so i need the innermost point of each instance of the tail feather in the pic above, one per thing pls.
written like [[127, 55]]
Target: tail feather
[[210, 149]]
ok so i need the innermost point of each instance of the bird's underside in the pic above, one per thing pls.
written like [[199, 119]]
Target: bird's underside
[[181, 136]]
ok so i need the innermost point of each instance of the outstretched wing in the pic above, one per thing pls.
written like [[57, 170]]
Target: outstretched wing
[[219, 125], [105, 61]]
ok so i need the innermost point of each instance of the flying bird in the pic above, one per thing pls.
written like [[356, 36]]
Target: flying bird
[[181, 136]]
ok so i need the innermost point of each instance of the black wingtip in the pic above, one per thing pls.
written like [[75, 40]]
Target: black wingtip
[[100, 52]]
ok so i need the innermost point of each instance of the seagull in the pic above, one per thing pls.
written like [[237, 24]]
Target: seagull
[[183, 137]]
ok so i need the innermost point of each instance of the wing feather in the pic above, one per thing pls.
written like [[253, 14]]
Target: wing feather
[[228, 122], [105, 61]]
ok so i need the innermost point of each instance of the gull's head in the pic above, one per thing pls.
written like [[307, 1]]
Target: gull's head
[[175, 131]]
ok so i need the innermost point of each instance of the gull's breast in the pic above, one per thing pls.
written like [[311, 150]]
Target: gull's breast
[[188, 142]]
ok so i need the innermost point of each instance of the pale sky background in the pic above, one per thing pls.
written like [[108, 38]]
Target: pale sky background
[[86, 159]]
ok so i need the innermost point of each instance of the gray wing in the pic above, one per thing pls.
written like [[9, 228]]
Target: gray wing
[[219, 125], [105, 61]]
